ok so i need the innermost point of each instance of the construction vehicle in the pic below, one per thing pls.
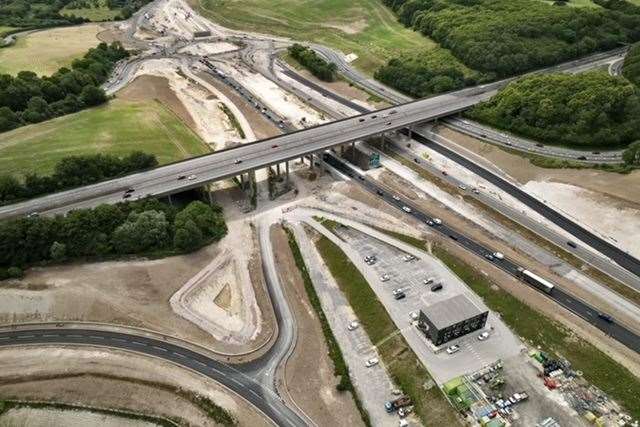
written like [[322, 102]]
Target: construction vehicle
[[394, 405]]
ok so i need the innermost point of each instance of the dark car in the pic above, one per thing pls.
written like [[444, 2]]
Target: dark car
[[582, 158], [607, 318], [129, 190], [416, 160], [379, 192], [399, 295], [181, 177], [573, 245], [437, 287], [539, 145]]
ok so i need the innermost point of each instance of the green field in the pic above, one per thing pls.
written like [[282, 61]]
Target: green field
[[364, 27], [93, 14], [118, 128], [44, 52]]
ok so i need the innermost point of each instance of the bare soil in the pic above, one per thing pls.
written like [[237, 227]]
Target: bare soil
[[624, 187], [148, 87], [262, 128], [309, 370], [114, 379]]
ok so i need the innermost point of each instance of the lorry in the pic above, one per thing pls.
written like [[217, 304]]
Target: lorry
[[394, 405]]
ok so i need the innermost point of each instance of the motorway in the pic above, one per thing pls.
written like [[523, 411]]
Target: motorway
[[615, 330], [236, 378]]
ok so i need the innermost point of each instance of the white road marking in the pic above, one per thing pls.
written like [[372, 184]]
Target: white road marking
[[180, 355], [237, 382], [25, 336], [96, 337], [254, 393], [138, 343], [159, 348]]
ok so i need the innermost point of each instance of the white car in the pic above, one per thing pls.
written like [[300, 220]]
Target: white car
[[353, 326], [428, 281], [483, 336], [408, 257], [396, 198], [414, 315], [407, 209], [371, 362], [437, 221], [498, 255], [384, 278], [192, 177], [476, 191], [462, 187], [453, 349]]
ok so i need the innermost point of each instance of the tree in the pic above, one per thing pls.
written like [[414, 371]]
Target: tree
[[10, 188], [210, 222], [15, 272], [631, 156], [58, 251], [187, 237], [8, 119], [92, 96], [142, 232]]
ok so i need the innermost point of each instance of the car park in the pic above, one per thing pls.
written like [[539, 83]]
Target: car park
[[353, 326], [453, 349], [483, 336], [371, 362]]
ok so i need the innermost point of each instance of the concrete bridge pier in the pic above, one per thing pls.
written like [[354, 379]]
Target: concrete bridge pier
[[286, 165]]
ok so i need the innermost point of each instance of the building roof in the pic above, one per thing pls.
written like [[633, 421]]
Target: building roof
[[451, 311]]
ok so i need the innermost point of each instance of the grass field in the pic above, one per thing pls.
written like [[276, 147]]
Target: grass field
[[94, 14], [401, 362], [540, 331], [117, 128], [44, 52], [364, 27]]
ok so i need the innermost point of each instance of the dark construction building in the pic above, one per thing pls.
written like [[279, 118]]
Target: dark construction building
[[449, 319]]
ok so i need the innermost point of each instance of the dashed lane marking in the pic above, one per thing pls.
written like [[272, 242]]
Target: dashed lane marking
[[25, 336], [237, 382], [139, 343], [159, 348], [96, 337]]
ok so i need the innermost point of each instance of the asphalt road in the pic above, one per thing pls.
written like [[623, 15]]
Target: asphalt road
[[234, 378], [621, 257], [576, 306]]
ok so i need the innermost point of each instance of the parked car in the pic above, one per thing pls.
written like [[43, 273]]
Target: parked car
[[353, 326], [483, 336], [453, 349], [437, 287], [428, 281], [398, 293], [371, 362], [408, 257], [384, 278], [414, 315]]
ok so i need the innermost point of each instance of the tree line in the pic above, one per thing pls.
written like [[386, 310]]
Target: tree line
[[73, 171], [631, 66], [27, 98], [500, 38], [142, 227], [127, 7], [35, 14], [590, 109], [326, 71]]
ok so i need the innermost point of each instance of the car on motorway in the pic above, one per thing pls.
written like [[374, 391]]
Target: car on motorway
[[181, 177], [192, 177], [33, 215], [126, 195], [462, 187], [385, 278], [582, 158], [489, 256], [274, 146], [353, 326], [428, 281], [371, 362], [388, 123], [437, 221], [407, 209], [498, 255], [129, 191], [431, 223], [453, 349], [392, 112], [444, 173], [606, 317], [379, 193], [237, 161], [415, 159], [396, 198], [572, 244], [483, 336], [595, 152], [361, 120], [539, 145], [476, 191]]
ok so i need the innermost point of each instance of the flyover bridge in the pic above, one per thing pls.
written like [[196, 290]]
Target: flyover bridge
[[223, 164]]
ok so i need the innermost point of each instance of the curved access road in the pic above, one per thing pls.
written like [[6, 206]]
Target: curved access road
[[234, 378]]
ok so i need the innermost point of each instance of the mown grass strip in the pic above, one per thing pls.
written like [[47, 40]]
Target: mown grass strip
[[401, 362], [540, 331], [340, 368]]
